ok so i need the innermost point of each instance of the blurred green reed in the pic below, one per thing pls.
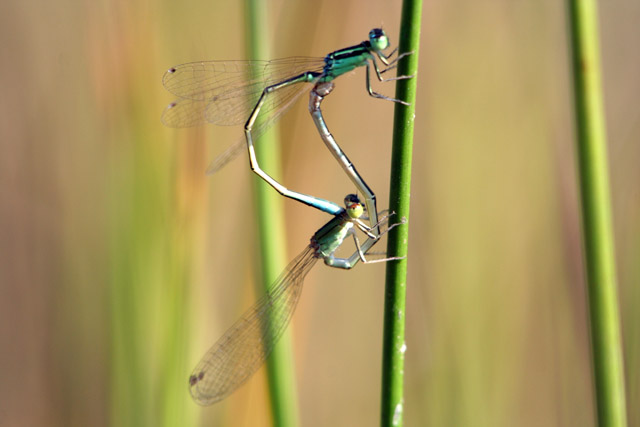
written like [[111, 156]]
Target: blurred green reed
[[394, 346], [497, 328], [271, 231], [597, 225], [151, 247]]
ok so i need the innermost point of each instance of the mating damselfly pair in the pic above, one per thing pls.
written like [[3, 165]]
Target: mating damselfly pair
[[257, 93]]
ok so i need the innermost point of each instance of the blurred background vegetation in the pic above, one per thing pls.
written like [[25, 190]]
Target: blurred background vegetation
[[121, 262]]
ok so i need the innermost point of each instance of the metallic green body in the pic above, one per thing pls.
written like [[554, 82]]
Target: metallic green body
[[344, 60], [329, 238]]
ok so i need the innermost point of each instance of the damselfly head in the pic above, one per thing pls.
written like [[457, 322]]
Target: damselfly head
[[354, 207], [378, 39]]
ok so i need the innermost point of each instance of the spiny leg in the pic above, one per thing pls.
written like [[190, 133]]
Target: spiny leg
[[364, 248], [359, 255], [385, 58], [375, 94], [391, 64], [383, 220]]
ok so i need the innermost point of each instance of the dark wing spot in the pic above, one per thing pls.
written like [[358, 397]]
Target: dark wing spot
[[193, 380], [171, 70]]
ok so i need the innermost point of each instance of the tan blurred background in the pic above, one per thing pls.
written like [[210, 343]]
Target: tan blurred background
[[121, 262]]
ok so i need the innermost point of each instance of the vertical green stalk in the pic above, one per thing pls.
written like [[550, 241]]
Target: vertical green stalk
[[394, 309], [596, 213], [148, 269], [271, 231]]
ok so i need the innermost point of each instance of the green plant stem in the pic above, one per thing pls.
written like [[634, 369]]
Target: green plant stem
[[396, 276], [596, 212], [270, 218]]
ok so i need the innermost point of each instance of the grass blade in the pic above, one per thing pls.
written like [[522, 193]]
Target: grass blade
[[596, 213], [270, 217], [394, 311]]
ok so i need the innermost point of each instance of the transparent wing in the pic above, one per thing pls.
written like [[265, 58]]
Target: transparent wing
[[226, 156], [184, 113], [287, 98], [240, 352], [224, 92]]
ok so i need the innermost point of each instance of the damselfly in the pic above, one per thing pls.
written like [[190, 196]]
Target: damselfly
[[236, 92], [240, 352]]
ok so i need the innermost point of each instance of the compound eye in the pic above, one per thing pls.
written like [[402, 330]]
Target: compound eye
[[378, 39], [351, 199]]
